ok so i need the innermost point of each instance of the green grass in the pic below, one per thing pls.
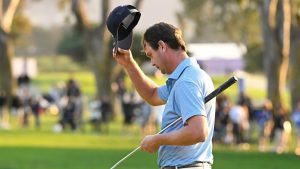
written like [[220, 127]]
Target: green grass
[[42, 149], [58, 69], [59, 63], [86, 81], [59, 158], [251, 160], [31, 149]]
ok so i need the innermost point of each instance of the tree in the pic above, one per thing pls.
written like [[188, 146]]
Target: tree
[[276, 25], [8, 9], [218, 20], [97, 44], [279, 32], [295, 55], [226, 21]]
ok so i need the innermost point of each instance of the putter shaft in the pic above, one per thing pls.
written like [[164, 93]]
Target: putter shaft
[[124, 158]]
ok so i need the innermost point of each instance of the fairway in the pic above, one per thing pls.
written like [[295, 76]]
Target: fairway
[[43, 149], [207, 84], [74, 158]]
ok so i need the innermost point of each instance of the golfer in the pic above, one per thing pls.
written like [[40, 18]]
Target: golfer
[[186, 144]]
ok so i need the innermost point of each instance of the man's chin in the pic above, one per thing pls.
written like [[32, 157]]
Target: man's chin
[[163, 72]]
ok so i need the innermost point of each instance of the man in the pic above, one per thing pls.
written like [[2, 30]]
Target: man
[[186, 144]]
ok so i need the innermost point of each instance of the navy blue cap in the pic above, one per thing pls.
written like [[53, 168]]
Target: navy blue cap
[[121, 22]]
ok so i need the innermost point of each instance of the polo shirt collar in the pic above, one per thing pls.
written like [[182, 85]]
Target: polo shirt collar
[[180, 68]]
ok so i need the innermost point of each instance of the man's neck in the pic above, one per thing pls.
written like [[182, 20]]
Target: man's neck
[[177, 57]]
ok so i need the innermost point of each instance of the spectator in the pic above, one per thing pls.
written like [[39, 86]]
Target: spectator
[[296, 121], [282, 129], [146, 119], [239, 117], [23, 80], [72, 88], [158, 113], [25, 95], [2, 105], [246, 102], [16, 105], [73, 91], [222, 117], [68, 114], [36, 110], [95, 114], [56, 92], [128, 110], [264, 121], [106, 112], [100, 114]]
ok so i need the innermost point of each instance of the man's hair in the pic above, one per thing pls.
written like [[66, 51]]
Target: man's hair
[[165, 32]]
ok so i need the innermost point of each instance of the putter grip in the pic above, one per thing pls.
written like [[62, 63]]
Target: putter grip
[[220, 89]]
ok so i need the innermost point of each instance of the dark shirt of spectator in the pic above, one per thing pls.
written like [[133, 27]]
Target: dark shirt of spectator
[[2, 99], [72, 88], [23, 79]]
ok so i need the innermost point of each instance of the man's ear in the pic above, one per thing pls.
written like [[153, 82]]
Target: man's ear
[[162, 45]]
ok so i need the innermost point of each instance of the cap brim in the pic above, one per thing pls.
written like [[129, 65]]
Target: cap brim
[[126, 42]]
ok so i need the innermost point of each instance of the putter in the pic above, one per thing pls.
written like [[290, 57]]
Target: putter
[[213, 94]]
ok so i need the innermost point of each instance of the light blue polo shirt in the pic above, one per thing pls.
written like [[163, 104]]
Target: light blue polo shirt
[[184, 95]]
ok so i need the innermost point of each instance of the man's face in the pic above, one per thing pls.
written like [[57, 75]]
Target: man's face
[[156, 57]]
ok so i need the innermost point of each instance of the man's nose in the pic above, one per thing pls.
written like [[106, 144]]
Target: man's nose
[[153, 64]]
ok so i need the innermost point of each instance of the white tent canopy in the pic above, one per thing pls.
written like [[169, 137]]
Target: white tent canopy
[[218, 58], [207, 51]]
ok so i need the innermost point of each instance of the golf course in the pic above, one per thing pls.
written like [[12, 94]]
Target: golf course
[[31, 148], [42, 149]]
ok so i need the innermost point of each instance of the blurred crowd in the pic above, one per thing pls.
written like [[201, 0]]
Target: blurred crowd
[[64, 101], [237, 122], [73, 111], [241, 123]]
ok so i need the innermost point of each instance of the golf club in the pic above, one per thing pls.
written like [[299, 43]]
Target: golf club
[[213, 94]]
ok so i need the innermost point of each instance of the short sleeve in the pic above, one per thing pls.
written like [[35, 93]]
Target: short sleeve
[[190, 100], [163, 92]]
